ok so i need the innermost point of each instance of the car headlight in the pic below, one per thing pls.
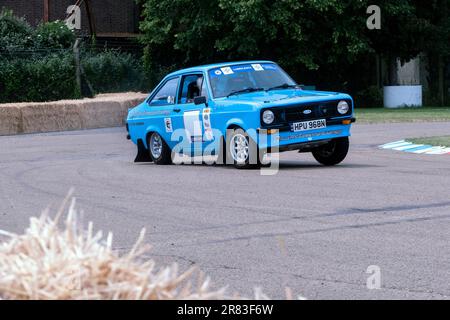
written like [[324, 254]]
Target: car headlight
[[343, 107], [268, 117]]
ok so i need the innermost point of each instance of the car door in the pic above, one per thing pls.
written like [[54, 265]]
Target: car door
[[163, 109], [195, 118]]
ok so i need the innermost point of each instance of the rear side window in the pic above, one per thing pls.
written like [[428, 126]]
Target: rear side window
[[166, 94]]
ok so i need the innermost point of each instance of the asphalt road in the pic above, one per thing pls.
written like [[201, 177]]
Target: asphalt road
[[310, 228]]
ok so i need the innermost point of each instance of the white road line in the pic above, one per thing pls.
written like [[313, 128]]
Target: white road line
[[411, 146], [397, 145], [404, 146], [437, 150], [423, 150], [391, 143]]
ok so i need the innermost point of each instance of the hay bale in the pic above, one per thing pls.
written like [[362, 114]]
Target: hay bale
[[47, 262], [101, 114], [10, 120], [105, 110], [108, 110], [52, 116]]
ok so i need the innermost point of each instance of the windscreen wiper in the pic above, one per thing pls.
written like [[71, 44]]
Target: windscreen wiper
[[245, 91], [284, 86]]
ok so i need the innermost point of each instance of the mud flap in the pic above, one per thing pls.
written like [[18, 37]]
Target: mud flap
[[143, 155]]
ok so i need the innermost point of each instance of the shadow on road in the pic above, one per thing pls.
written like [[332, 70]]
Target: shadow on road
[[284, 165], [287, 165]]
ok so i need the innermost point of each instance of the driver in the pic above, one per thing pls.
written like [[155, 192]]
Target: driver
[[194, 89]]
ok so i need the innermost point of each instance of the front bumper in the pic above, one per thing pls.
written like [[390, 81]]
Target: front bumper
[[285, 139]]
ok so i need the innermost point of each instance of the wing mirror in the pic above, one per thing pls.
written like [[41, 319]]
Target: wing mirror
[[200, 100]]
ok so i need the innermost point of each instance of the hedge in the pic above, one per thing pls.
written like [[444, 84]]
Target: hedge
[[53, 76], [39, 64], [46, 78], [113, 71]]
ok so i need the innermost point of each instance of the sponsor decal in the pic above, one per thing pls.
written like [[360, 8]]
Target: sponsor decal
[[227, 70], [257, 67], [309, 136], [168, 124], [192, 125], [131, 124], [150, 113], [207, 124], [243, 68]]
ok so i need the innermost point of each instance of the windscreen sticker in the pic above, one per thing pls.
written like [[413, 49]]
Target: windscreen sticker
[[227, 70], [242, 68], [168, 124], [257, 67]]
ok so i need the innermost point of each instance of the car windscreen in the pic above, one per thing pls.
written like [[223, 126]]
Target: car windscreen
[[226, 80]]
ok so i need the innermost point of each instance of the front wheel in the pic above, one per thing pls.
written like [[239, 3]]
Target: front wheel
[[159, 150], [333, 152], [241, 150]]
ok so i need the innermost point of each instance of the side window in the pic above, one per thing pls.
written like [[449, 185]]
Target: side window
[[166, 95], [191, 87]]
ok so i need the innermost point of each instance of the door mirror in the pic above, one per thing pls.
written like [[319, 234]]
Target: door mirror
[[200, 100]]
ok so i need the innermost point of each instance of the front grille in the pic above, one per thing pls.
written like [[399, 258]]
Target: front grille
[[317, 110], [297, 113]]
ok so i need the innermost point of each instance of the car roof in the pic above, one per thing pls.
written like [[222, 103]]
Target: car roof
[[207, 67]]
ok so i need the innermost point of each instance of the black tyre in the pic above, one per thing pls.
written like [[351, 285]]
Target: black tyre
[[159, 150], [333, 152], [222, 154], [241, 150]]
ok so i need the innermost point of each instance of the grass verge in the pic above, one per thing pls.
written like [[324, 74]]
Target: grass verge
[[443, 141], [384, 115]]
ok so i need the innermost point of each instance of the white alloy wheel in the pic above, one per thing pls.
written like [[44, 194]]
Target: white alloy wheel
[[239, 148], [156, 145]]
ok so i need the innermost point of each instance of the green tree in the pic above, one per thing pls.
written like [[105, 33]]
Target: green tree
[[330, 35], [402, 35], [437, 42], [54, 34], [312, 32], [14, 32], [17, 34]]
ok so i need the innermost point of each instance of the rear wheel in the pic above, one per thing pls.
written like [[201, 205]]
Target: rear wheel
[[159, 150], [333, 152]]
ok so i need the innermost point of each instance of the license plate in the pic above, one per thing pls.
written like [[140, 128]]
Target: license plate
[[309, 125]]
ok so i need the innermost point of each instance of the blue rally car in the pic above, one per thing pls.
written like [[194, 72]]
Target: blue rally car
[[239, 111]]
